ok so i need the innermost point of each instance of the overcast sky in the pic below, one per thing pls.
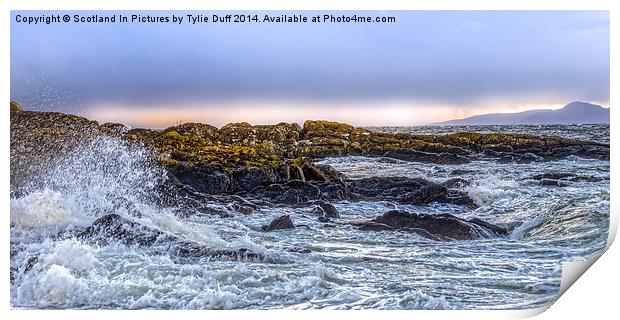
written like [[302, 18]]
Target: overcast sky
[[428, 66]]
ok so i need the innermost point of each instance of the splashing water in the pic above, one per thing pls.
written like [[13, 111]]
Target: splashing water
[[347, 268]]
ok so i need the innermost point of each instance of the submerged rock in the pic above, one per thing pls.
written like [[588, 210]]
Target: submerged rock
[[565, 176], [553, 183], [113, 227], [283, 222], [437, 227], [455, 183]]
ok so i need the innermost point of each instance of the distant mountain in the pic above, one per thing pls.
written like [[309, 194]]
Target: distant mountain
[[572, 113]]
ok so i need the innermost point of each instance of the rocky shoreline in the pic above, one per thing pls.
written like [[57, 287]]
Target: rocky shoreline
[[244, 167]]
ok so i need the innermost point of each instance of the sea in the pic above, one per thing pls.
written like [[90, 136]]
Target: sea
[[345, 269]]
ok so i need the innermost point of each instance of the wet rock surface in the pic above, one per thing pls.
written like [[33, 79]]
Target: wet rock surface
[[283, 222], [113, 227], [325, 210], [240, 157], [565, 176], [237, 168], [436, 226]]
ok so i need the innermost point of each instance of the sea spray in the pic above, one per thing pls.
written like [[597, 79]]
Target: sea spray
[[40, 209], [107, 175], [346, 269], [489, 189]]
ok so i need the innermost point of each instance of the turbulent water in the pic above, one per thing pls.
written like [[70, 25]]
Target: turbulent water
[[347, 268]]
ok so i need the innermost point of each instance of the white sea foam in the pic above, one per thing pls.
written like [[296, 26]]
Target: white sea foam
[[347, 268], [74, 255], [419, 300], [491, 189], [60, 274], [525, 226], [57, 285], [40, 209]]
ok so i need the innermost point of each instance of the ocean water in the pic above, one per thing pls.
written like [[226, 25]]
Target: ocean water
[[346, 269]]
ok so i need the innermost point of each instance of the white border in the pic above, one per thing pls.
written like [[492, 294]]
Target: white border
[[597, 297]]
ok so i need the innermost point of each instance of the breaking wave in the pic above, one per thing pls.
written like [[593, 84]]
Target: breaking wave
[[347, 269]]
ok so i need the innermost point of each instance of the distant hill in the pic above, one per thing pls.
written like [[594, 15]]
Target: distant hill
[[572, 113]]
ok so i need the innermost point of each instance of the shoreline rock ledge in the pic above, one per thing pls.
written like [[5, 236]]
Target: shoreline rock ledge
[[240, 157]]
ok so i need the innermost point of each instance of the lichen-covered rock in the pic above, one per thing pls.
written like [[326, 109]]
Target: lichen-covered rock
[[279, 139], [15, 107], [239, 157], [38, 138], [201, 130]]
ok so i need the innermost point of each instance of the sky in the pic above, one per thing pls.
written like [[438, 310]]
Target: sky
[[428, 66]]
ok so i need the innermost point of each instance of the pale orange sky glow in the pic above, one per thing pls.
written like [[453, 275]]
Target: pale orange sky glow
[[388, 113]]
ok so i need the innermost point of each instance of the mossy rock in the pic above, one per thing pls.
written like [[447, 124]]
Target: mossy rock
[[321, 128], [201, 130]]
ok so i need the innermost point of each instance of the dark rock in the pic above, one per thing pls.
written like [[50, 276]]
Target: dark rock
[[13, 274], [292, 192], [460, 172], [31, 262], [565, 176], [498, 148], [455, 183], [283, 222], [304, 169], [426, 157], [553, 183], [246, 179], [437, 227], [205, 178], [430, 193], [406, 190], [553, 175], [492, 153], [529, 158], [242, 205], [269, 162], [113, 227], [326, 209], [533, 151], [243, 209], [508, 158]]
